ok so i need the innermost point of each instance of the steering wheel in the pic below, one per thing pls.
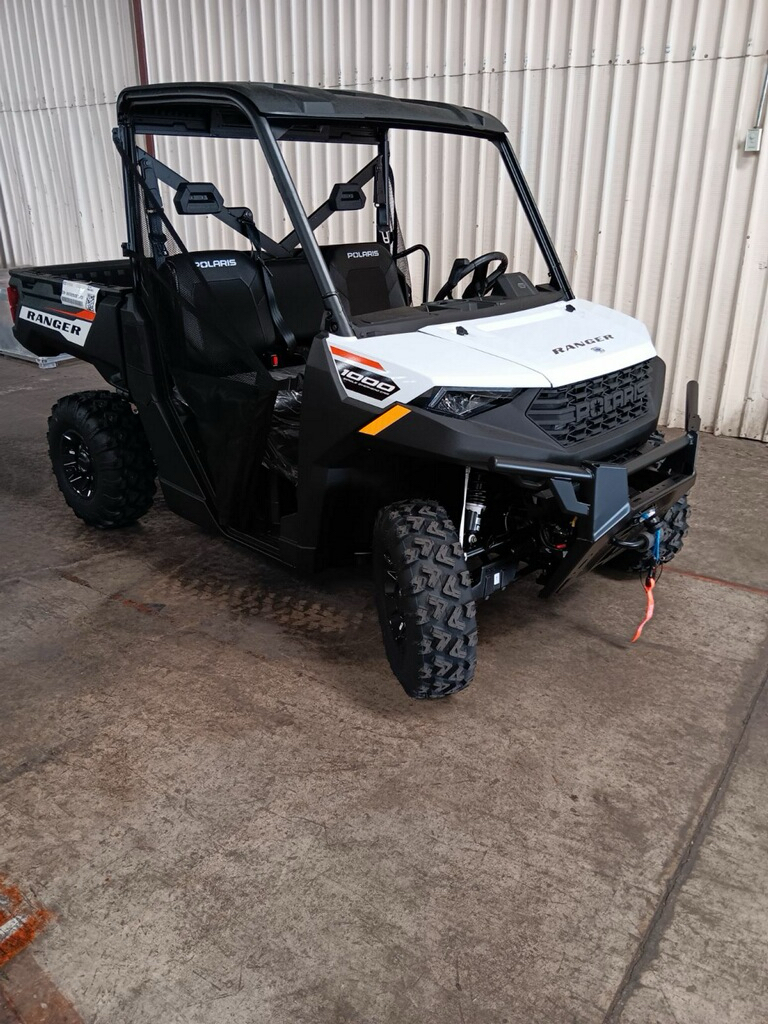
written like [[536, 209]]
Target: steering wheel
[[481, 282]]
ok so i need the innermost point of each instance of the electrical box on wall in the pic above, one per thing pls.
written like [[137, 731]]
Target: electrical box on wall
[[753, 140]]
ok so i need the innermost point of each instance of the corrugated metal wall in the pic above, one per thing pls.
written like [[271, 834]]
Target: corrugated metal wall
[[62, 63], [629, 118]]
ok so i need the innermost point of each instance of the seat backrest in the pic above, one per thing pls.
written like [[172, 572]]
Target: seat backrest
[[226, 318], [365, 276], [363, 273], [298, 296]]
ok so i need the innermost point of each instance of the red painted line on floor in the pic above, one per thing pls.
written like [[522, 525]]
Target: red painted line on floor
[[75, 579], [28, 995], [763, 591], [20, 920], [139, 606]]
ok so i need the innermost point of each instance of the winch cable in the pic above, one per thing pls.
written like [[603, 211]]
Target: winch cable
[[648, 586], [650, 582]]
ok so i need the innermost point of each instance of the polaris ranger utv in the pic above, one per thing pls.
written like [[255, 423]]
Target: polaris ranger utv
[[296, 395]]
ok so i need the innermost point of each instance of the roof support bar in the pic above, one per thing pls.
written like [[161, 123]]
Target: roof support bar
[[556, 273], [339, 323]]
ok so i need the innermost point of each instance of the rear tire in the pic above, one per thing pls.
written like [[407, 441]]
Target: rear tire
[[101, 458], [424, 599]]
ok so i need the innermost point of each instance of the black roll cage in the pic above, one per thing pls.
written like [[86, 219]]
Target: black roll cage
[[268, 131]]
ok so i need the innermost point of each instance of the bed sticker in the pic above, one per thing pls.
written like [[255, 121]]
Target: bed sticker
[[72, 326], [76, 293]]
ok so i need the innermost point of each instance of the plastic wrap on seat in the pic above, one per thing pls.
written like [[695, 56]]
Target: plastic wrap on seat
[[282, 450]]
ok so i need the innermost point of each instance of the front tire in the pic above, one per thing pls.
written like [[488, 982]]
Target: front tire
[[424, 599], [101, 458]]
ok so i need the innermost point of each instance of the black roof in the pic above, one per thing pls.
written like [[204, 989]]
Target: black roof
[[183, 108]]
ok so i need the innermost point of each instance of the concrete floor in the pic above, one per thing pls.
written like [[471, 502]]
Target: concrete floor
[[213, 781]]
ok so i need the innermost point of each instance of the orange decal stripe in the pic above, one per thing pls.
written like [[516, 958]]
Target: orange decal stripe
[[343, 354], [385, 420], [83, 314]]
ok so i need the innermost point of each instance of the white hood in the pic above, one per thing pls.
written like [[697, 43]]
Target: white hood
[[562, 346], [545, 347]]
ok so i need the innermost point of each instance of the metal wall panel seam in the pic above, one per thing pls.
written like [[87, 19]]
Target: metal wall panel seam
[[692, 292], [567, 120], [631, 162], [667, 322], [716, 290], [638, 184]]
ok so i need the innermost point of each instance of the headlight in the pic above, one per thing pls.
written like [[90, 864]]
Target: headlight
[[464, 402]]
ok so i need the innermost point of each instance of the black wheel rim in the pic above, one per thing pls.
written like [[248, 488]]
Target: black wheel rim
[[77, 464], [393, 601]]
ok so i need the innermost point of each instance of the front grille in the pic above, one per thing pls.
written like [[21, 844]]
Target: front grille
[[578, 412]]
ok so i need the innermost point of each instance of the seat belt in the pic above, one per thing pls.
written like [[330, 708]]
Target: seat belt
[[284, 332], [381, 202]]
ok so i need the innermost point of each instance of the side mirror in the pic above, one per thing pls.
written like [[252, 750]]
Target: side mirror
[[195, 197], [346, 197]]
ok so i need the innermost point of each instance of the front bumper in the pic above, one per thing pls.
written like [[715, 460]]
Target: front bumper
[[612, 497]]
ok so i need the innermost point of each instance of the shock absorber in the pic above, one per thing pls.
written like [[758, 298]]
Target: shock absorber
[[475, 507]]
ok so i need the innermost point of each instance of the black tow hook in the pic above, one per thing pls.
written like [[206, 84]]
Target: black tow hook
[[647, 539], [643, 543]]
